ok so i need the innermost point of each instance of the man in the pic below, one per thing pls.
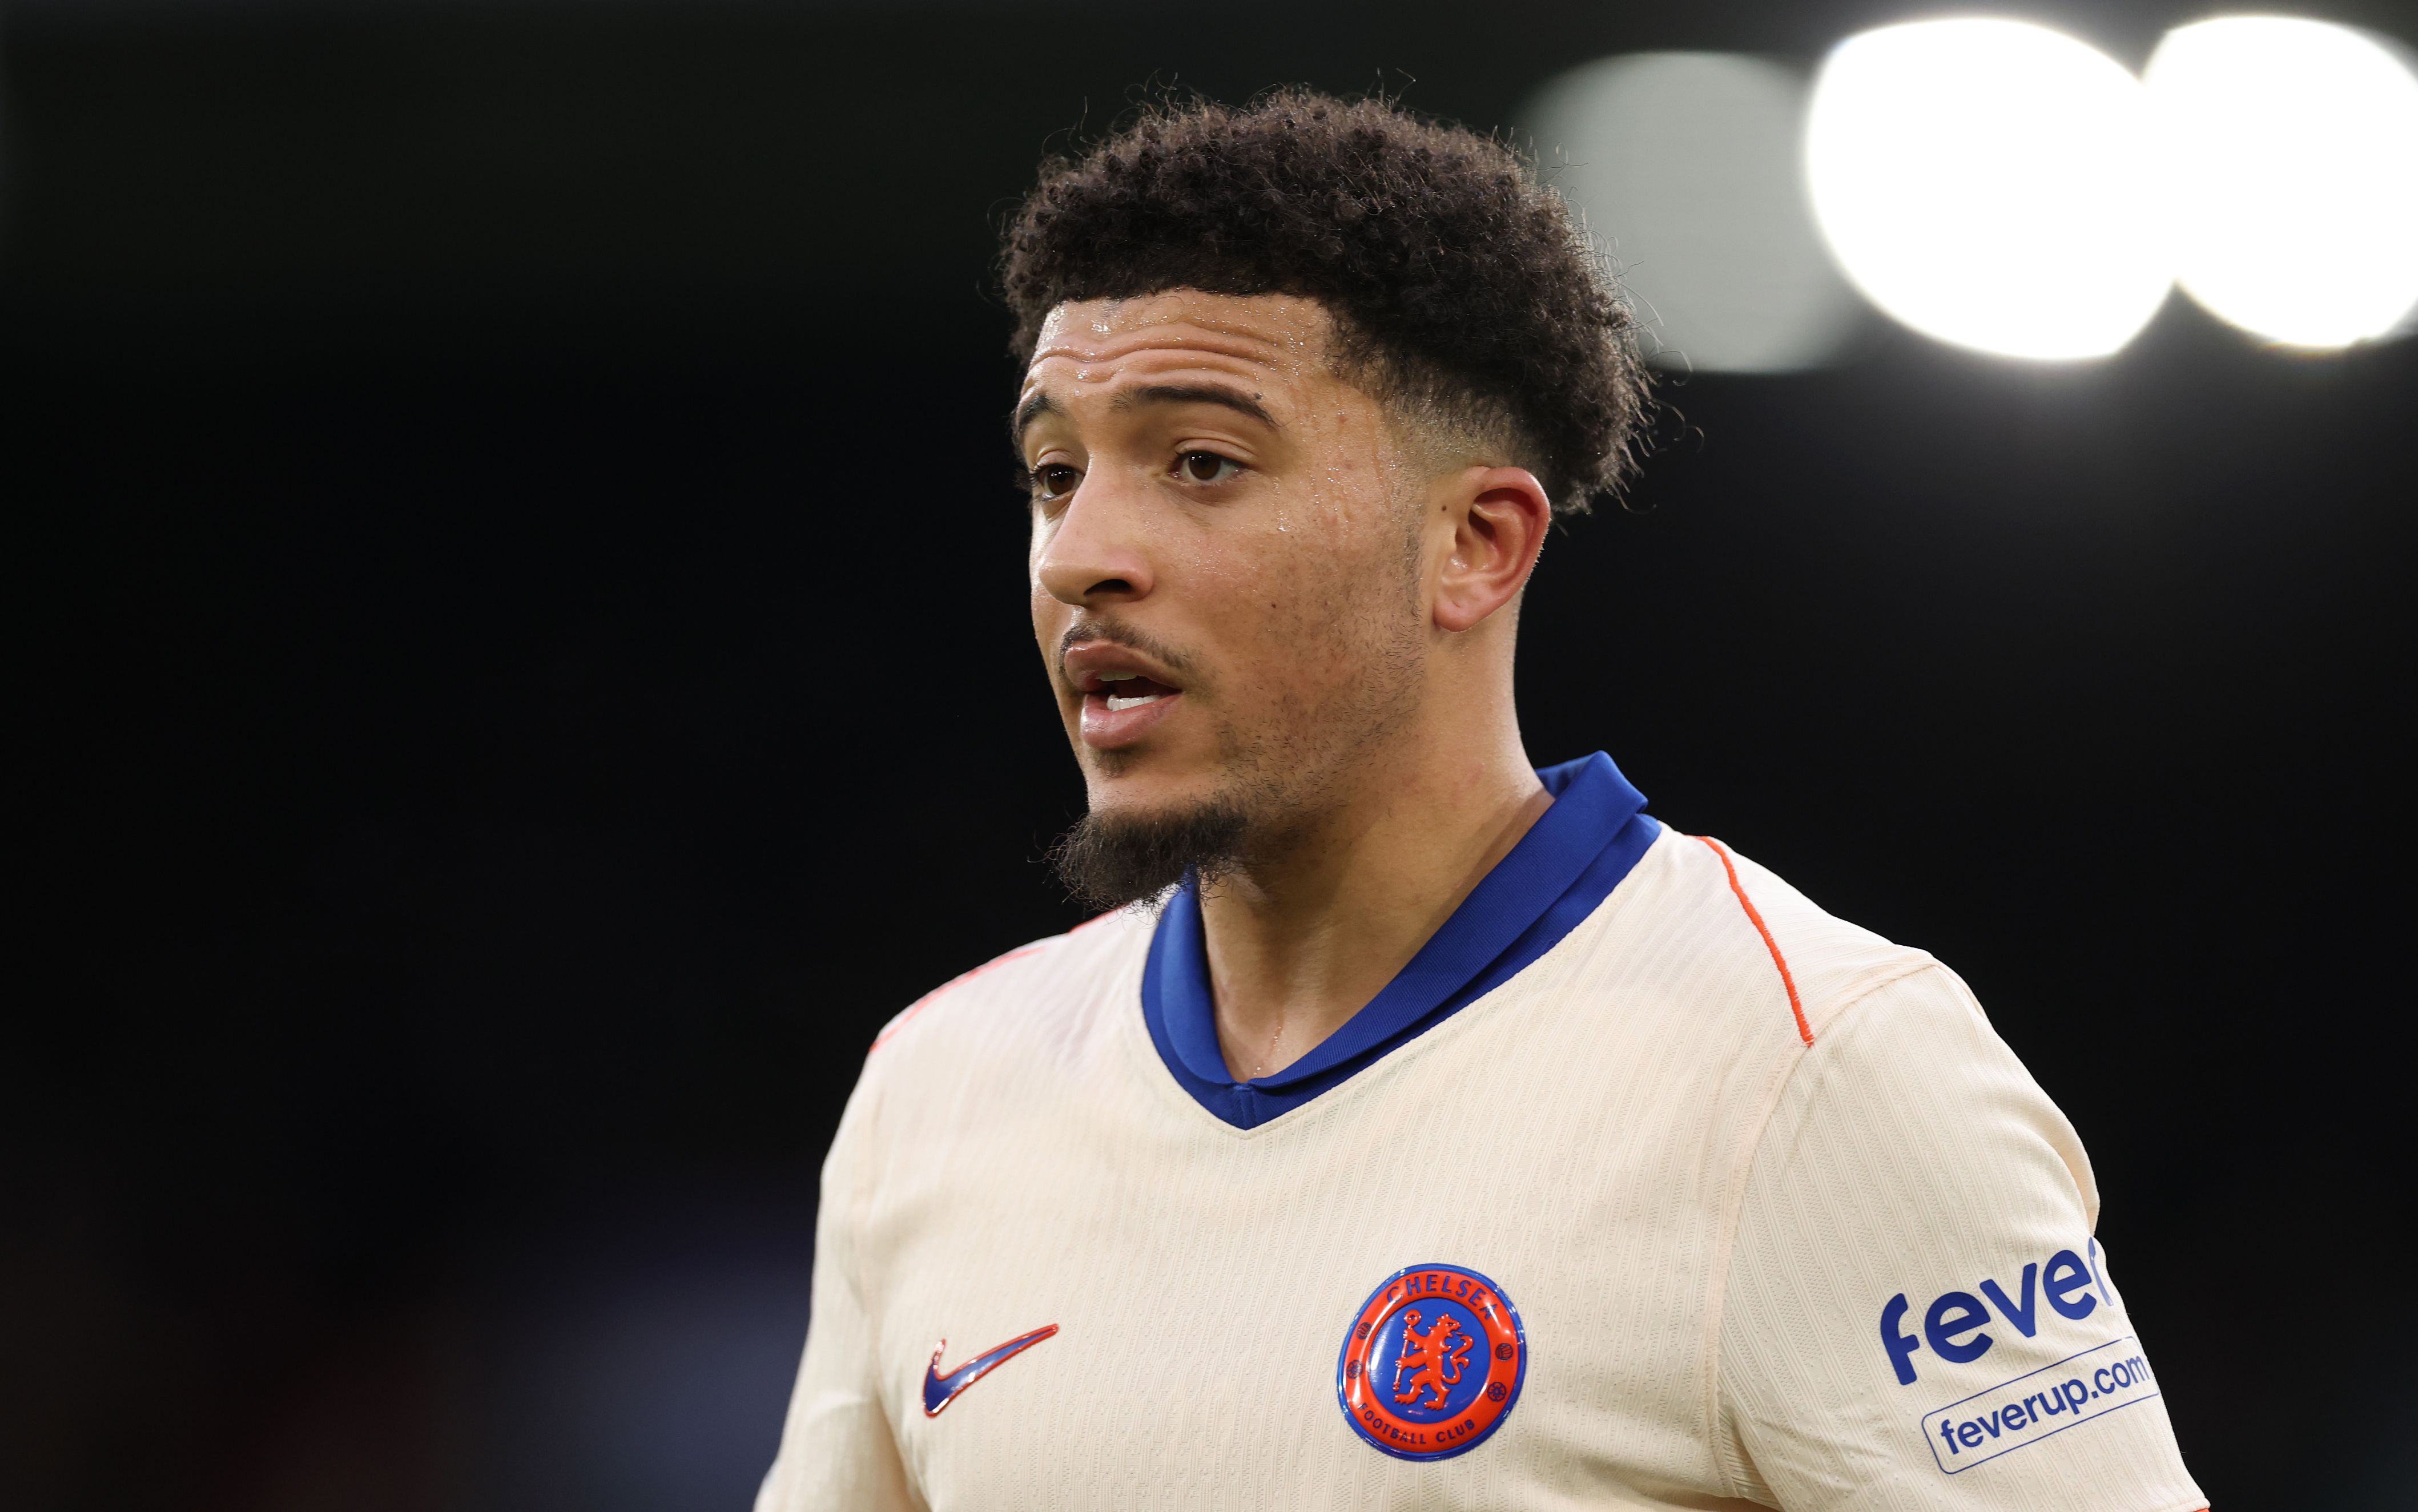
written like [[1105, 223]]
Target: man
[[1418, 1128]]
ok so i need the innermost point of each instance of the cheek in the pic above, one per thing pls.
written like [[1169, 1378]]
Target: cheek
[[1306, 604], [1252, 582]]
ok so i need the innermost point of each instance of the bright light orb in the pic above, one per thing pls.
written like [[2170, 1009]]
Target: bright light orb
[[2293, 153], [1990, 183], [1686, 165]]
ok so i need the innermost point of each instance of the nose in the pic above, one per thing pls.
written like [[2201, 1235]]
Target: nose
[[1094, 557]]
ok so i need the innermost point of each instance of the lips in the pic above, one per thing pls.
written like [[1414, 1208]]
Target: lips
[[1124, 692]]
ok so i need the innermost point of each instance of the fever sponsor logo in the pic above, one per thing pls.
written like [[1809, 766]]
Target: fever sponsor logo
[[1957, 1324], [2031, 1407], [1432, 1363]]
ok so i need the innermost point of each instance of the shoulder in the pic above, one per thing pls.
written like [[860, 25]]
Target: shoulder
[[1036, 991], [1876, 1024], [1911, 1085], [1025, 1033], [1749, 948]]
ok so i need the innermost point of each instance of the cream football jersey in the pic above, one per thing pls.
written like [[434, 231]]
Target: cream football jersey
[[1645, 1185]]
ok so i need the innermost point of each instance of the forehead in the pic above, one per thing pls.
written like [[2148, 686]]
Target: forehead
[[1272, 340]]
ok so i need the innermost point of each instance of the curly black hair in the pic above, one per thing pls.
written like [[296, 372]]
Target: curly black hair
[[1459, 285]]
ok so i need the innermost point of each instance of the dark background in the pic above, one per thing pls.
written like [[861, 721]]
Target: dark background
[[520, 669]]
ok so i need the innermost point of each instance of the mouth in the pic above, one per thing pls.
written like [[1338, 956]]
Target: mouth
[[1121, 691], [1124, 696]]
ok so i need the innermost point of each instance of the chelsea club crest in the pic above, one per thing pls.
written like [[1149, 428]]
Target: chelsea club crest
[[1432, 1363]]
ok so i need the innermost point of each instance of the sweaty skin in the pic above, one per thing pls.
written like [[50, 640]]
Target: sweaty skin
[[1317, 608]]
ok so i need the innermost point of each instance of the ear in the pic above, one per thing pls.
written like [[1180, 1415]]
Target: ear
[[1497, 517]]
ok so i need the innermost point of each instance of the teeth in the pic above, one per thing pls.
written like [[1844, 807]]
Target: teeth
[[1116, 703]]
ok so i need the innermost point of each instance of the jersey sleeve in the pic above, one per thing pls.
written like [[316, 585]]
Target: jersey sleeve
[[1917, 1314], [837, 1451]]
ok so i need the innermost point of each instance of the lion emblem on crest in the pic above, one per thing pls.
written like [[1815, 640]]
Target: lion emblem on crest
[[1434, 1359]]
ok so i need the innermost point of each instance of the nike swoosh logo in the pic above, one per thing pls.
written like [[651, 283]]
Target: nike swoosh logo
[[939, 1390]]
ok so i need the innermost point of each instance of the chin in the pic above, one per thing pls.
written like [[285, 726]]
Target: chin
[[1127, 785]]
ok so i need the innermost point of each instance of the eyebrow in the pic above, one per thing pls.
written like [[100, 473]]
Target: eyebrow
[[1161, 393], [1026, 413], [1196, 393]]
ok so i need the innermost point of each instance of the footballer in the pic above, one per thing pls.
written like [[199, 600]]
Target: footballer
[[1417, 1128]]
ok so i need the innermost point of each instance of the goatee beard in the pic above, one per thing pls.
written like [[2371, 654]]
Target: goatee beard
[[1109, 860]]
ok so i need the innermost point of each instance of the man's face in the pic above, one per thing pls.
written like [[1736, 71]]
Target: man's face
[[1226, 573]]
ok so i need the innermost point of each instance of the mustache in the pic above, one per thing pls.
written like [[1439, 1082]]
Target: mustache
[[1091, 628]]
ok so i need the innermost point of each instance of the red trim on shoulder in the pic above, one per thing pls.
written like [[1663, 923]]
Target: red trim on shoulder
[[920, 1003], [1804, 1031]]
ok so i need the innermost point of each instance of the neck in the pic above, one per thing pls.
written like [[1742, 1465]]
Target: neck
[[1300, 942]]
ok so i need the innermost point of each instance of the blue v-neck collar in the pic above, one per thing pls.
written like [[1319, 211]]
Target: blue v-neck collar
[[1568, 862]]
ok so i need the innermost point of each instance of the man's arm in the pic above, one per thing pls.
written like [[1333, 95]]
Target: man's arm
[[837, 1451], [1917, 1314]]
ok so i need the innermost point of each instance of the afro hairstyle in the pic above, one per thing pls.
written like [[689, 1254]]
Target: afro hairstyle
[[1461, 286]]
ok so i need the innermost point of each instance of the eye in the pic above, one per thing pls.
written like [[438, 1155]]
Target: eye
[[1207, 468], [1055, 480]]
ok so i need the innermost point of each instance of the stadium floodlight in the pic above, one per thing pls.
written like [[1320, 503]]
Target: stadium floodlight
[[2292, 151], [1990, 183], [1685, 165]]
